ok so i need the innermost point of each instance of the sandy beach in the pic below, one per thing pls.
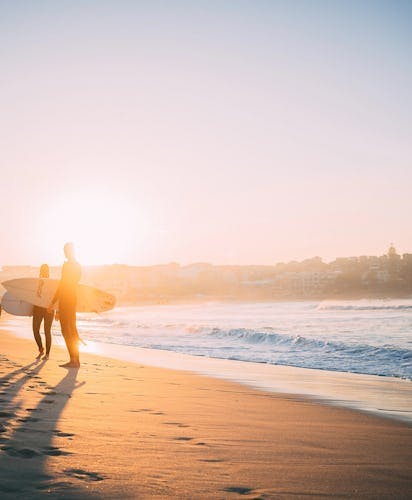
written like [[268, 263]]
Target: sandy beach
[[116, 429]]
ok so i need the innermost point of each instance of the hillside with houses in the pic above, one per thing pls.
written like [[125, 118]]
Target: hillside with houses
[[388, 275]]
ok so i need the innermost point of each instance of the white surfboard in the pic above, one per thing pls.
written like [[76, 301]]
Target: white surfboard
[[15, 306], [40, 292]]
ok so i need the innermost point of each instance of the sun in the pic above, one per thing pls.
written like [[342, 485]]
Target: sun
[[104, 229]]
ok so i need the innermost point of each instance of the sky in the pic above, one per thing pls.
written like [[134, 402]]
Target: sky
[[230, 132]]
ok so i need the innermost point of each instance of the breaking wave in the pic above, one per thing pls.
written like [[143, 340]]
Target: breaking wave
[[319, 353], [380, 305], [366, 336]]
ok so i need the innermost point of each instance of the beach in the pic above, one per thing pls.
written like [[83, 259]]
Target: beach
[[119, 429], [206, 216]]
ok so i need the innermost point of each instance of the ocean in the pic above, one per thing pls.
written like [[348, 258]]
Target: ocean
[[371, 337]]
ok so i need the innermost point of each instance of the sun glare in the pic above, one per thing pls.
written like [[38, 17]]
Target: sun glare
[[99, 226]]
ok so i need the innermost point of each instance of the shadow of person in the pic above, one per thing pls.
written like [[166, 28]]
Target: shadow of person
[[28, 453], [11, 385], [4, 380]]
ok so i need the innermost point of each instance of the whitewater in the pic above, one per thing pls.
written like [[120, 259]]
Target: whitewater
[[371, 337]]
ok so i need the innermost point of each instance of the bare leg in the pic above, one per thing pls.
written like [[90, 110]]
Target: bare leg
[[64, 328], [48, 320], [37, 319], [75, 340], [69, 331]]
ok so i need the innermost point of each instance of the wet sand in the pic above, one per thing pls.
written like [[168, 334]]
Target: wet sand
[[382, 396], [115, 429]]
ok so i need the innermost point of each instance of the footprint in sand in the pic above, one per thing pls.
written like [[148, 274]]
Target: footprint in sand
[[84, 475], [62, 434], [241, 490], [183, 438], [178, 424], [28, 419], [55, 451]]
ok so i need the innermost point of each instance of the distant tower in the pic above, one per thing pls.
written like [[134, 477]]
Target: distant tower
[[392, 251]]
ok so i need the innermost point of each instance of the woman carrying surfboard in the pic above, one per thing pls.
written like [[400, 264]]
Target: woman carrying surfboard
[[66, 294], [42, 314]]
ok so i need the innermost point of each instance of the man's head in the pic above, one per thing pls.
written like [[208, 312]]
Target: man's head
[[69, 250]]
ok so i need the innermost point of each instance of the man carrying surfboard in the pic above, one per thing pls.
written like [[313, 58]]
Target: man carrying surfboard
[[66, 294]]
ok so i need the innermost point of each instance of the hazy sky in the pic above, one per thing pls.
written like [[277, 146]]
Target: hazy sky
[[221, 131]]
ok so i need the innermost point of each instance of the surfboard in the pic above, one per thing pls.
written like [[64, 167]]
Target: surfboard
[[40, 292], [15, 306]]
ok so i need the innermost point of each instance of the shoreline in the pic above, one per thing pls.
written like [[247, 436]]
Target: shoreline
[[359, 392], [115, 428], [383, 396]]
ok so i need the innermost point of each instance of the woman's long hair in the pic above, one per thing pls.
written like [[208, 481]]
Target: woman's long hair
[[44, 271]]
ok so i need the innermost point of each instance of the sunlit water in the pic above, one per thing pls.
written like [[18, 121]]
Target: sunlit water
[[369, 337]]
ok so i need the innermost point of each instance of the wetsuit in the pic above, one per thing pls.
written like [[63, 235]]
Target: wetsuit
[[40, 314], [67, 296]]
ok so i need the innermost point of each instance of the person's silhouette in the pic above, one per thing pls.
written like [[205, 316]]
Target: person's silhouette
[[42, 314], [66, 294]]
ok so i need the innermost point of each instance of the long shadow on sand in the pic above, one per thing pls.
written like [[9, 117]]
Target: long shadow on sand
[[11, 385], [26, 439]]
